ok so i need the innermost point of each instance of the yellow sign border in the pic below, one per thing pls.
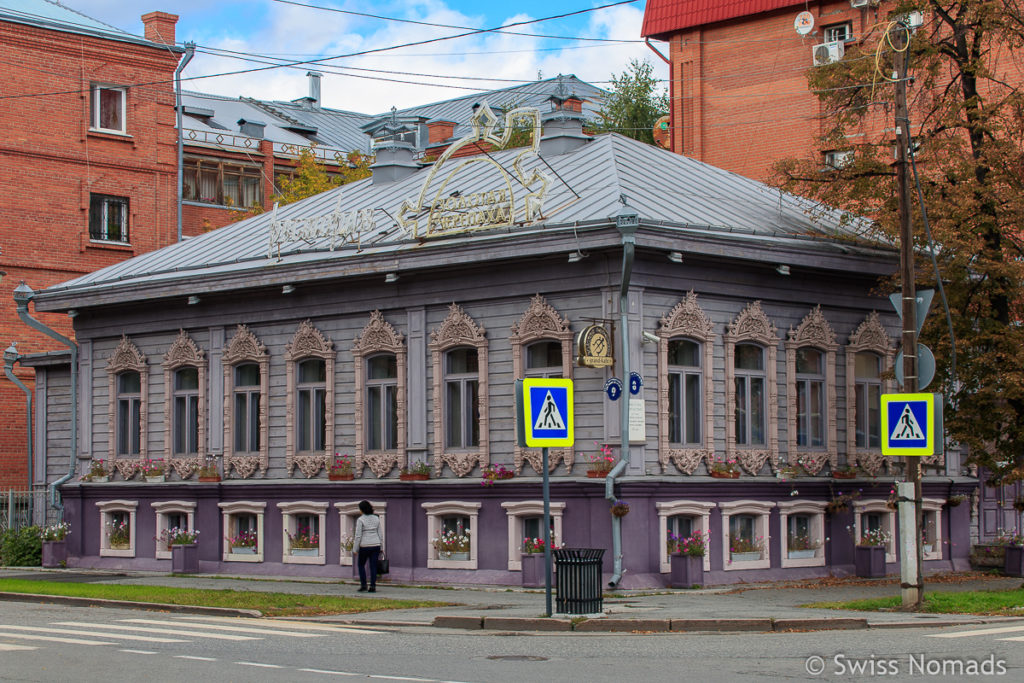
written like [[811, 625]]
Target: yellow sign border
[[929, 447], [549, 382]]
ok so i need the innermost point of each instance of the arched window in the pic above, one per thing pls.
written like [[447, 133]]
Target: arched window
[[868, 353], [309, 373], [246, 386], [685, 395], [810, 398], [382, 402], [379, 356], [750, 395], [462, 399], [811, 378], [129, 414], [868, 400], [185, 406], [128, 386]]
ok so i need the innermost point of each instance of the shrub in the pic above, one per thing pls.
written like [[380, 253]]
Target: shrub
[[21, 547]]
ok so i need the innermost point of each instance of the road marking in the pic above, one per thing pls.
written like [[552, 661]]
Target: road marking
[[329, 673], [261, 665], [57, 639], [1018, 639], [11, 647], [403, 678], [138, 652], [268, 629], [98, 634], [381, 676], [978, 632], [273, 623], [197, 658], [173, 632]]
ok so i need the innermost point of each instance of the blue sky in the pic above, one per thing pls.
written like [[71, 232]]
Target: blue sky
[[283, 30]]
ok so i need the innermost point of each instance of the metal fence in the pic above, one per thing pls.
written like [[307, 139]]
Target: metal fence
[[24, 508]]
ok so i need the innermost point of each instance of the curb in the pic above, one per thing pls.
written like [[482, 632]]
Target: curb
[[127, 604], [615, 625]]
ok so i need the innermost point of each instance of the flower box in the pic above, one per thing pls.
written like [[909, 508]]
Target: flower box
[[687, 571], [725, 475], [844, 475], [1014, 565], [745, 557], [156, 478], [120, 546], [213, 478], [801, 554], [341, 477], [597, 474], [55, 554], [408, 476], [185, 558], [533, 570], [456, 555], [304, 552], [869, 561], [926, 548], [97, 479], [988, 555], [243, 550]]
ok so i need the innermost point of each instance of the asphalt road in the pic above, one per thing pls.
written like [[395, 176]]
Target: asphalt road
[[40, 642]]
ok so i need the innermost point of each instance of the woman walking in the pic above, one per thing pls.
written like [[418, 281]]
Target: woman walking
[[368, 540]]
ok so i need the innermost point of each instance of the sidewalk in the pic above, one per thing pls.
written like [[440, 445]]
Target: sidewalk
[[747, 607]]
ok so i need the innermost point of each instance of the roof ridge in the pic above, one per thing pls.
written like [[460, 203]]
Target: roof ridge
[[270, 109]]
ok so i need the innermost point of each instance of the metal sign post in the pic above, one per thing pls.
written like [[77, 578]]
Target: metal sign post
[[547, 533]]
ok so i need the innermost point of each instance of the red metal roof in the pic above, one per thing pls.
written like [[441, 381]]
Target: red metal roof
[[665, 16]]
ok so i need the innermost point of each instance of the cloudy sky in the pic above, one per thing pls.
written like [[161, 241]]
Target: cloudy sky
[[271, 31]]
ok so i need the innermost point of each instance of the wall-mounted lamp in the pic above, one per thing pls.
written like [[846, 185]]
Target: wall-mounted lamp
[[782, 269], [193, 300], [651, 338], [391, 277], [576, 256], [675, 256], [288, 289]]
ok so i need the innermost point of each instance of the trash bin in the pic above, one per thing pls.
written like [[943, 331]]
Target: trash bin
[[579, 580]]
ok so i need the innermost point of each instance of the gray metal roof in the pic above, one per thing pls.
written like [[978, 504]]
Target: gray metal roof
[[673, 194], [54, 16]]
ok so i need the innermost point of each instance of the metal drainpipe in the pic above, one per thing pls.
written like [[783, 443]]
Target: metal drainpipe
[[11, 357], [190, 49], [628, 222], [22, 295]]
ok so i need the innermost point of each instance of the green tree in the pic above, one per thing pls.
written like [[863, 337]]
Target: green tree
[[633, 103], [967, 123]]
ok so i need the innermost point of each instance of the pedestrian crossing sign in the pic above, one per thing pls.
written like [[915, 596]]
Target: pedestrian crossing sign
[[911, 424], [546, 413]]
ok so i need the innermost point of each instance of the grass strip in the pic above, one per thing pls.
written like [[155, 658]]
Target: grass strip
[[270, 604], [993, 603]]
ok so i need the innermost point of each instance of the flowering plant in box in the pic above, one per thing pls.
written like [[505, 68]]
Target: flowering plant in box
[[341, 466], [695, 545], [1008, 538], [533, 546], [246, 539], [801, 542], [603, 462], [746, 545], [421, 468], [728, 467], [118, 534], [347, 543], [152, 468], [209, 467], [451, 542], [874, 537], [493, 473], [55, 532], [303, 538], [97, 469], [178, 536]]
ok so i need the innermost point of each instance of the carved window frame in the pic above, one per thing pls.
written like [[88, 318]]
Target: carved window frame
[[700, 511], [761, 511], [541, 322], [435, 513], [516, 511], [290, 512], [459, 329], [164, 508], [228, 513], [687, 320], [244, 347], [869, 336], [107, 508], [184, 353], [379, 337], [308, 343], [752, 326], [816, 511], [127, 358], [815, 332], [348, 513]]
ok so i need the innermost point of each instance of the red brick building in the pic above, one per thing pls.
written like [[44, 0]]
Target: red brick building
[[88, 166]]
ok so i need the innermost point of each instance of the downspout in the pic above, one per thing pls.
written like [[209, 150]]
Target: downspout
[[11, 357], [190, 49], [627, 221], [22, 295]]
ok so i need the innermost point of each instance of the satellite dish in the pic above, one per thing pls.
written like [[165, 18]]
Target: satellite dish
[[663, 132], [804, 23]]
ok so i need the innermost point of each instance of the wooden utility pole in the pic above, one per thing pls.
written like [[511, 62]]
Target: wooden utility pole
[[912, 581]]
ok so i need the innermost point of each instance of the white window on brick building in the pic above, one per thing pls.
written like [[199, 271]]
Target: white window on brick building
[[108, 109]]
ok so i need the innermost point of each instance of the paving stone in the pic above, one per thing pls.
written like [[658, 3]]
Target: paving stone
[[826, 624], [627, 625], [764, 624], [527, 624], [455, 621]]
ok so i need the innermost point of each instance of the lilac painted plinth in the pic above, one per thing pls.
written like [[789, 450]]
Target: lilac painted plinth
[[869, 561], [185, 558], [687, 571], [55, 553], [1014, 561]]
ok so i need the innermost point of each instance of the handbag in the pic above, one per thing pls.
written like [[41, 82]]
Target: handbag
[[383, 564]]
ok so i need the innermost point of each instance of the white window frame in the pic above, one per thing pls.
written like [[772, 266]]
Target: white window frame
[[932, 507], [435, 512], [829, 34], [348, 513], [164, 508], [516, 512], [242, 507], [760, 510], [289, 524], [701, 512], [861, 507], [107, 509], [94, 109], [816, 511]]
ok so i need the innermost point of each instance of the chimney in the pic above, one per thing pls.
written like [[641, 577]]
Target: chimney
[[563, 126], [439, 131], [314, 88], [253, 129], [160, 27]]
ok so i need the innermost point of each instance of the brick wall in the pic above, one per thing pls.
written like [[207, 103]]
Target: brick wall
[[50, 162]]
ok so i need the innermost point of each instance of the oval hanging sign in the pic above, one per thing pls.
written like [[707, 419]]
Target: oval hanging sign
[[594, 347]]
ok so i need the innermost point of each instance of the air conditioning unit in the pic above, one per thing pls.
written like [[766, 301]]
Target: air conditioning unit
[[826, 53]]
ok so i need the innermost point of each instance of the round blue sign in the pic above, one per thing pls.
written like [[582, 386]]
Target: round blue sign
[[613, 388], [635, 382]]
